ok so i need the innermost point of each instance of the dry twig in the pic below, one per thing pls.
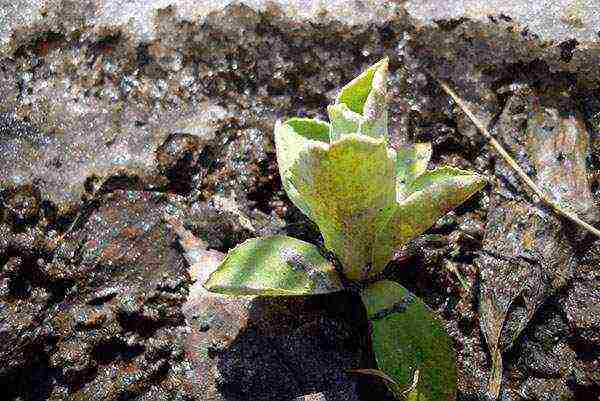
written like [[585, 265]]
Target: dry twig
[[513, 164]]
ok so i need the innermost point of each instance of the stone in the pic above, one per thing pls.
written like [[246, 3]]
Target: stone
[[22, 205], [106, 305], [546, 390], [555, 20], [582, 307]]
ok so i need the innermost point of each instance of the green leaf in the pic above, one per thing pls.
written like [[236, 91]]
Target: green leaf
[[366, 95], [310, 128], [347, 185], [343, 121], [409, 343], [411, 162], [291, 138], [356, 92], [277, 265], [430, 196]]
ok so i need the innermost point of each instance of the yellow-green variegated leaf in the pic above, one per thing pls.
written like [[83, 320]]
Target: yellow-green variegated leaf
[[292, 137], [430, 196], [273, 266], [411, 162], [343, 121], [366, 95], [411, 347], [347, 185]]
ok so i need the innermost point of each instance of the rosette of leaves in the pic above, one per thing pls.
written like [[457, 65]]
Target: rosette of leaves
[[368, 199]]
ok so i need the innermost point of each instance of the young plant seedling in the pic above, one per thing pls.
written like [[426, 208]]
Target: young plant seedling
[[367, 199]]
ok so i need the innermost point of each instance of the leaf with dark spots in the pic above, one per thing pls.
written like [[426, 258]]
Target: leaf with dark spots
[[411, 347], [276, 265]]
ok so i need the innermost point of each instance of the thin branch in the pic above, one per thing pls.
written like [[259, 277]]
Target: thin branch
[[513, 164]]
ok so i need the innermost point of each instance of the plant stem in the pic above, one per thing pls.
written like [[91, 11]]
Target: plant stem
[[513, 164]]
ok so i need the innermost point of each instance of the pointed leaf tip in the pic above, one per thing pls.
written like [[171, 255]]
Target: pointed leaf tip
[[356, 92], [430, 196], [366, 95], [273, 266]]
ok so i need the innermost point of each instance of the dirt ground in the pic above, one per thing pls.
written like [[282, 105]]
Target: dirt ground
[[105, 130]]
